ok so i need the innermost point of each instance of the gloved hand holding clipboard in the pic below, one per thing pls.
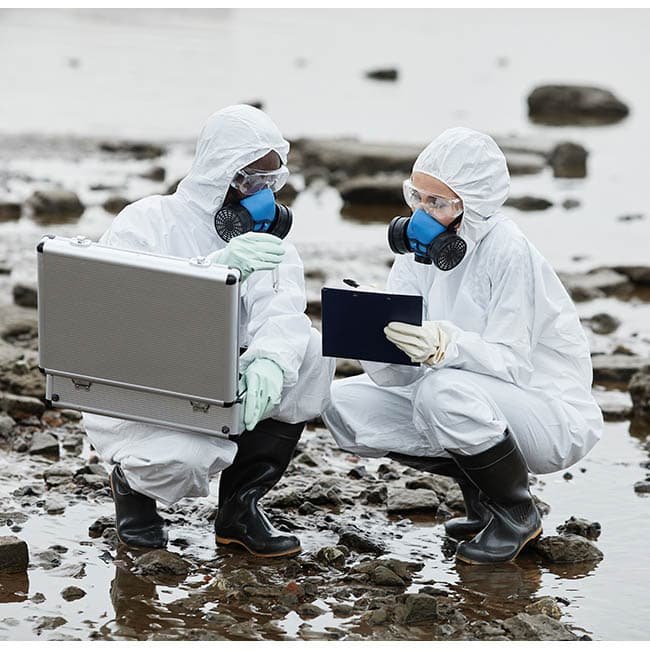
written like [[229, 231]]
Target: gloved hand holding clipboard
[[354, 321]]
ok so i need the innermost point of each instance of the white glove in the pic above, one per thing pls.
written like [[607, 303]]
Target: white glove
[[252, 251], [426, 343]]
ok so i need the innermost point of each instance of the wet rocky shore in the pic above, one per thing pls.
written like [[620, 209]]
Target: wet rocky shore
[[376, 564]]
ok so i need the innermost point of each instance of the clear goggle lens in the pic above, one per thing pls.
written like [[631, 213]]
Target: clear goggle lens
[[436, 206], [250, 181]]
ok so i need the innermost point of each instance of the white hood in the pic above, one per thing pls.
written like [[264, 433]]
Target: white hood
[[474, 167], [231, 139]]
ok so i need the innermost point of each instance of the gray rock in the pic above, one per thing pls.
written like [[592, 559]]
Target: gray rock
[[570, 204], [55, 206], [7, 423], [71, 414], [383, 74], [637, 274], [547, 606], [528, 203], [615, 405], [55, 504], [617, 367], [402, 499], [402, 569], [19, 373], [137, 149], [21, 407], [385, 577], [48, 623], [581, 527], [595, 284], [331, 556], [12, 518], [14, 555], [49, 559], [323, 492], [115, 204], [156, 173], [602, 323], [361, 542], [568, 549], [571, 104], [10, 211], [439, 484], [454, 499], [537, 627], [418, 609], [25, 295], [162, 562], [569, 160], [640, 392], [44, 443], [100, 525], [72, 593], [642, 487], [382, 189], [354, 157]]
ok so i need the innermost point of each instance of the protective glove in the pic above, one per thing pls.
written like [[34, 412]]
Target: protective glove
[[426, 343], [252, 251], [261, 384]]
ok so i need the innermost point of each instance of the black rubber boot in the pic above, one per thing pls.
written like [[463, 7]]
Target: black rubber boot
[[262, 458], [136, 519], [478, 515], [501, 474]]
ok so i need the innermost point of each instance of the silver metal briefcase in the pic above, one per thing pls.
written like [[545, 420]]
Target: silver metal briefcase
[[139, 336]]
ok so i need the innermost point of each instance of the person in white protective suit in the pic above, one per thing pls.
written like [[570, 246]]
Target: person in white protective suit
[[240, 155], [503, 381]]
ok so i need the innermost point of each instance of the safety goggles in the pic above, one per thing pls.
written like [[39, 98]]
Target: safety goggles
[[432, 204], [250, 181]]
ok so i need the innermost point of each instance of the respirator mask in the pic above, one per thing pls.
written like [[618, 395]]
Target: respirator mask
[[258, 210], [423, 234]]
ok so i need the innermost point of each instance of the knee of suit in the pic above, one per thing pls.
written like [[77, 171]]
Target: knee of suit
[[441, 393]]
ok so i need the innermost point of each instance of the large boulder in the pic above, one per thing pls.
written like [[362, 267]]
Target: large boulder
[[136, 149], [55, 206], [570, 104], [528, 203], [19, 373], [381, 189], [354, 157], [569, 160]]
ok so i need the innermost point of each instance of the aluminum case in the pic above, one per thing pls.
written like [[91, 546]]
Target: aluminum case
[[139, 336]]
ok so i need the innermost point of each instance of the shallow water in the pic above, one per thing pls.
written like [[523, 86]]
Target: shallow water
[[115, 74]]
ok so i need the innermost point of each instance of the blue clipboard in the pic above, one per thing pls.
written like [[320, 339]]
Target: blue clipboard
[[354, 321]]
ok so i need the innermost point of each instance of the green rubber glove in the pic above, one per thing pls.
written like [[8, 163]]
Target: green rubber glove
[[250, 252], [262, 382]]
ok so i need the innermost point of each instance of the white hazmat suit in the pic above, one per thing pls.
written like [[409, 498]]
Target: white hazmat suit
[[517, 356], [164, 463]]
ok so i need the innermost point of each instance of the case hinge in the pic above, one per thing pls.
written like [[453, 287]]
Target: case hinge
[[201, 407]]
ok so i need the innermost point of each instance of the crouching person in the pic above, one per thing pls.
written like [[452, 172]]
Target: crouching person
[[503, 385], [240, 153]]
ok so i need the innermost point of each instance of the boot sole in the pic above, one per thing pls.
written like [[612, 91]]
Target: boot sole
[[225, 541], [532, 538]]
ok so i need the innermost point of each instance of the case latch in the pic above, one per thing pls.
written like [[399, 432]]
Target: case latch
[[82, 384], [200, 407]]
